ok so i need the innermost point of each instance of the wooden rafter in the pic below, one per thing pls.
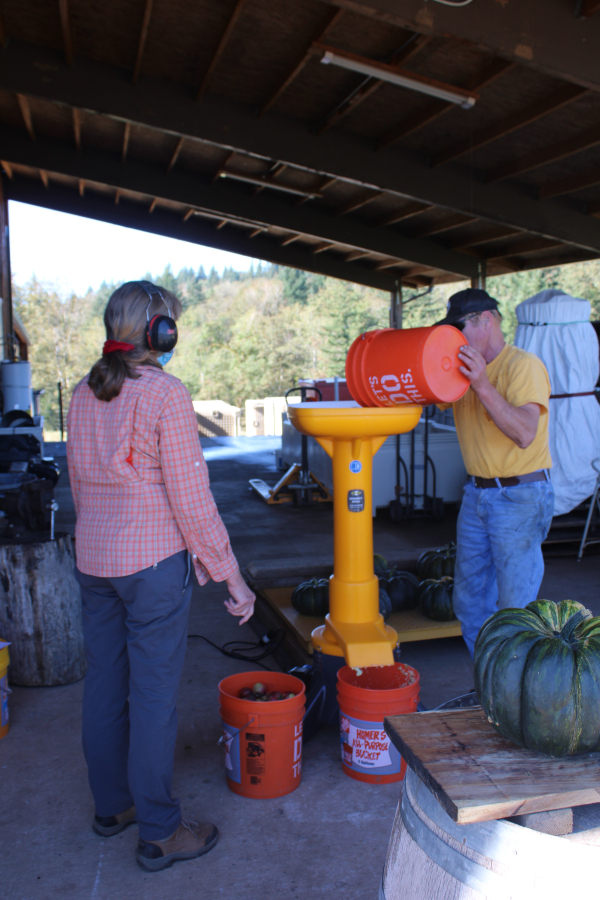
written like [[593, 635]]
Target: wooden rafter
[[588, 8], [267, 181], [176, 153], [222, 224], [324, 184], [153, 205], [189, 214], [289, 240], [126, 135], [569, 185], [387, 264], [77, 127], [553, 102], [412, 209], [223, 166], [142, 41], [331, 20], [7, 168], [26, 113], [320, 248], [483, 237], [256, 232], [359, 202], [543, 157], [81, 187], [370, 85], [432, 111], [519, 248], [44, 177], [355, 254], [65, 24], [443, 225], [221, 46], [117, 197]]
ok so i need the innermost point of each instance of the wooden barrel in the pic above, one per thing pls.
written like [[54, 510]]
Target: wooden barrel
[[430, 857], [40, 612]]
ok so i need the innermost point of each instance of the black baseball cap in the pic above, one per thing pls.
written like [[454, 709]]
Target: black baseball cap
[[463, 303]]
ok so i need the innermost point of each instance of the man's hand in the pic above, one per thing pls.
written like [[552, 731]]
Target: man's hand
[[241, 600], [474, 367]]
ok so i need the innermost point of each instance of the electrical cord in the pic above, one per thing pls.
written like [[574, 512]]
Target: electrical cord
[[237, 651]]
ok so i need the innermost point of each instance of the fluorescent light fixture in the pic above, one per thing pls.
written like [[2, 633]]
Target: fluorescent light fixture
[[412, 82]]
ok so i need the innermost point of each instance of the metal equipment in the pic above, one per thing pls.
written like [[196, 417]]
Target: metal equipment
[[404, 506], [299, 485]]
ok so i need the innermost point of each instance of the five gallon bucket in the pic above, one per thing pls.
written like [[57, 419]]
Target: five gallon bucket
[[365, 697], [263, 740], [4, 690], [396, 367]]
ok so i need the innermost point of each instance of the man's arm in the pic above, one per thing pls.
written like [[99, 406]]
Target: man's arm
[[519, 423]]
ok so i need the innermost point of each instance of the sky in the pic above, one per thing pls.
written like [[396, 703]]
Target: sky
[[76, 253]]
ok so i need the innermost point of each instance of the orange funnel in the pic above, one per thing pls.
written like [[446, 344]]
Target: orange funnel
[[398, 367]]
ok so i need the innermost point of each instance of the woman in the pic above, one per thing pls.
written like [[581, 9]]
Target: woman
[[145, 515]]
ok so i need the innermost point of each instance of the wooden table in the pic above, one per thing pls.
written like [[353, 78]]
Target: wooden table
[[477, 775]]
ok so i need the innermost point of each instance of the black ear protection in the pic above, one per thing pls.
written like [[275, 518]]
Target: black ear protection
[[161, 331]]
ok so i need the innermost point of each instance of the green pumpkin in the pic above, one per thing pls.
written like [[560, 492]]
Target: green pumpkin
[[380, 565], [437, 563], [435, 598], [311, 598], [537, 676], [385, 604], [402, 589]]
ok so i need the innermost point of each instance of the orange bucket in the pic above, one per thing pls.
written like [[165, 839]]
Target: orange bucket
[[397, 367], [365, 697], [263, 741]]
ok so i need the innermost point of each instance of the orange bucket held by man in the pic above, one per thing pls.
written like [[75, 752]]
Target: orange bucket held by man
[[397, 367]]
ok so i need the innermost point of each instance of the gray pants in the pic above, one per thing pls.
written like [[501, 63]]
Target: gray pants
[[135, 631]]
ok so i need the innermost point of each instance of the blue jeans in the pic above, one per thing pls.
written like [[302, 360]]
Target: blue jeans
[[135, 632], [499, 560]]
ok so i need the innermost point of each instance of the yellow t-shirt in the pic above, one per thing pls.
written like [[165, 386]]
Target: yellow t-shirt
[[519, 377]]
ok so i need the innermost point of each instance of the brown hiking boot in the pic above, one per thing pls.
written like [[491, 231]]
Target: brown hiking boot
[[189, 841], [106, 826]]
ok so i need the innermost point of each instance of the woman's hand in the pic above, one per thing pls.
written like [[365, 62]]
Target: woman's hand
[[241, 600]]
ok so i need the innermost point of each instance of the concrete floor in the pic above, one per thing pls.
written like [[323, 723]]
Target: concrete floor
[[327, 839]]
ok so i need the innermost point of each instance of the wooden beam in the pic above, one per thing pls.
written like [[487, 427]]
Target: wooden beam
[[569, 185], [256, 231], [588, 8], [355, 254], [223, 166], [65, 24], [77, 127], [221, 46], [142, 41], [519, 248], [483, 237], [432, 111], [117, 197], [413, 209], [385, 69], [81, 187], [221, 224], [358, 203], [44, 177], [267, 181], [545, 156], [320, 248], [189, 214], [289, 240], [553, 102], [7, 168], [153, 205], [388, 264], [331, 19], [370, 85], [176, 153], [126, 135], [26, 113], [443, 225]]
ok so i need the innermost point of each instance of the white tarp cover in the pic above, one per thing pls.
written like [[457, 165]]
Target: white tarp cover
[[556, 327]]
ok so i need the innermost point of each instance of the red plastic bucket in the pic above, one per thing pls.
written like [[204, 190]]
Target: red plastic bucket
[[262, 741], [365, 697], [397, 367]]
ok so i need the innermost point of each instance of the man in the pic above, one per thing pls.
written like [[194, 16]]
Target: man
[[508, 501]]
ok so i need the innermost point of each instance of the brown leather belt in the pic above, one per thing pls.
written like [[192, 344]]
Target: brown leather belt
[[540, 475]]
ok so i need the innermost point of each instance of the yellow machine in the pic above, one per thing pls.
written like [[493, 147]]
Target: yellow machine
[[352, 435]]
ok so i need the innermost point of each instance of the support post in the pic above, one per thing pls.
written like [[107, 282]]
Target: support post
[[479, 282], [396, 307], [5, 277]]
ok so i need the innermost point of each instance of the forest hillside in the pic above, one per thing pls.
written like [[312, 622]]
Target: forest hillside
[[252, 334]]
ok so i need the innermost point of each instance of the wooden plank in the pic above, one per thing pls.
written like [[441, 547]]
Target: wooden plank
[[478, 775], [221, 46], [142, 40]]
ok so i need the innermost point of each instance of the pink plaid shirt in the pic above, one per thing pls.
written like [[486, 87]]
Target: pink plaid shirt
[[140, 482]]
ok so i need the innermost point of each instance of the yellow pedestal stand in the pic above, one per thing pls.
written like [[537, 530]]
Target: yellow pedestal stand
[[352, 435]]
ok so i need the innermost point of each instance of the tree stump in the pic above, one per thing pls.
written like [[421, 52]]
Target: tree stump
[[40, 612]]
